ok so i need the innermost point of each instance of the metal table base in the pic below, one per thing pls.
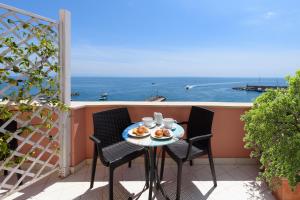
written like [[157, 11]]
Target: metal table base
[[154, 177]]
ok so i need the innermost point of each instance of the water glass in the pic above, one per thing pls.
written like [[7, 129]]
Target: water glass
[[158, 118]]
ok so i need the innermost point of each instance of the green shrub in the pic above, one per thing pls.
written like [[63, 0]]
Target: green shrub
[[273, 133]]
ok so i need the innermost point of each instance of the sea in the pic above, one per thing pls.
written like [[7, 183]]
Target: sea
[[172, 88]]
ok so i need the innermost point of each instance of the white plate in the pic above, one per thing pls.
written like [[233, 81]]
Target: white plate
[[130, 132], [163, 137]]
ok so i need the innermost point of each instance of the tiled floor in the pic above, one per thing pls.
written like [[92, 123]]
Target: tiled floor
[[234, 182]]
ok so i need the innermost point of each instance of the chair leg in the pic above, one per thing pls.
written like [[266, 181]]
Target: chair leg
[[179, 172], [212, 166], [146, 160], [163, 157], [191, 163], [94, 164], [111, 183], [129, 164], [19, 176]]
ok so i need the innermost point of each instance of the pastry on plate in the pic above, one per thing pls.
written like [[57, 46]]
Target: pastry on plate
[[159, 133], [166, 132], [140, 130]]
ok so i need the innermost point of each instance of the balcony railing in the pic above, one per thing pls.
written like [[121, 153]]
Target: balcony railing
[[228, 133]]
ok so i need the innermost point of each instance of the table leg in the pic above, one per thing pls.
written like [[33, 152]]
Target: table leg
[[152, 171], [155, 164], [154, 178], [157, 182]]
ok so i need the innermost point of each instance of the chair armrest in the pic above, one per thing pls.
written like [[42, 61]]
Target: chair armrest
[[182, 123], [98, 148], [96, 140], [195, 139], [199, 138]]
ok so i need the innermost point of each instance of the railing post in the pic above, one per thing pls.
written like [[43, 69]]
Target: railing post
[[65, 85]]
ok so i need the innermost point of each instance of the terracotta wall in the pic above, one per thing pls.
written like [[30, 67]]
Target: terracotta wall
[[227, 141], [79, 136]]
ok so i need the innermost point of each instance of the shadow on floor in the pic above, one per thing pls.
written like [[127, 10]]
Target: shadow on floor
[[234, 182]]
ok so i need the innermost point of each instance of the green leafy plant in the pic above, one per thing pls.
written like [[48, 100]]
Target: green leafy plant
[[29, 68], [273, 133], [4, 150]]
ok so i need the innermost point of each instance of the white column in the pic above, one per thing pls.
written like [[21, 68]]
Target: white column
[[65, 83]]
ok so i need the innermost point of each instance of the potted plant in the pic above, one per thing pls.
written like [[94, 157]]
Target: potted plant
[[273, 134]]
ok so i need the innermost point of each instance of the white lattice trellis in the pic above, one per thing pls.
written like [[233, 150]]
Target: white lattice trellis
[[40, 131]]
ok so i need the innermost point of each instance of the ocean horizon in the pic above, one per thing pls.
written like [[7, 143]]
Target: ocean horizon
[[241, 77], [214, 89]]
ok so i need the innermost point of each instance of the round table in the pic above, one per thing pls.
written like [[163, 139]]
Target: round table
[[151, 144]]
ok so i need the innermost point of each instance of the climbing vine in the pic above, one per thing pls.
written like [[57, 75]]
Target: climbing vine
[[29, 82]]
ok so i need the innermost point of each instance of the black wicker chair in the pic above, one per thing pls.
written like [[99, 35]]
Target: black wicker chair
[[112, 150], [197, 144]]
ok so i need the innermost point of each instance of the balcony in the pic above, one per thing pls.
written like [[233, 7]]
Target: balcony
[[236, 172], [44, 140]]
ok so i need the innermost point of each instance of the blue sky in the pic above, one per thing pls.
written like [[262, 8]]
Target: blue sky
[[243, 38]]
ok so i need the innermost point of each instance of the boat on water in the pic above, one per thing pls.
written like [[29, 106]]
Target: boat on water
[[188, 87], [75, 94], [156, 98], [103, 96]]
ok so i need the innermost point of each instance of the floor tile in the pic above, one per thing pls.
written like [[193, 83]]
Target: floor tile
[[235, 182]]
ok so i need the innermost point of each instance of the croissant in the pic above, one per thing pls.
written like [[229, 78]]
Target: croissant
[[159, 133], [166, 133]]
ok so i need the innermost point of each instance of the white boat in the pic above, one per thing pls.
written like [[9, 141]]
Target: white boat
[[103, 96], [157, 98], [188, 87]]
